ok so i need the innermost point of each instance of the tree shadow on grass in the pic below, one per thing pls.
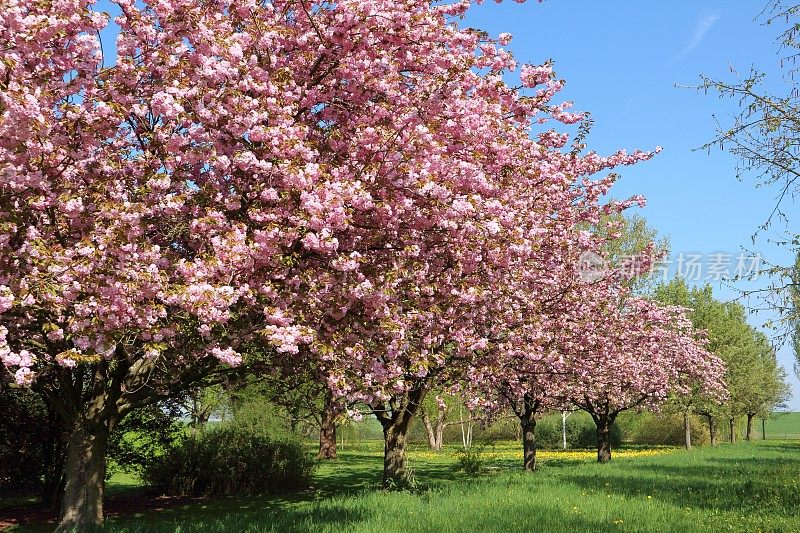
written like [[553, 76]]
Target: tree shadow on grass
[[753, 486], [256, 514], [780, 446], [339, 514], [355, 474], [352, 474], [347, 475], [515, 465]]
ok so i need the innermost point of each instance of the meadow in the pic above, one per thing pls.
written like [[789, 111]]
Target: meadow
[[742, 487], [781, 426]]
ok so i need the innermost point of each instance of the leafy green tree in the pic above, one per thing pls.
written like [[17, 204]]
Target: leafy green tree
[[143, 434], [203, 403], [630, 236], [755, 381], [766, 387], [676, 292], [299, 395], [437, 413]]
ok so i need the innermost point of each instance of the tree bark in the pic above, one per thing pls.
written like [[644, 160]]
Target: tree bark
[[82, 504], [527, 423], [396, 422], [430, 432], [327, 431], [603, 444], [749, 432], [440, 434], [732, 423], [529, 445], [604, 423], [687, 428], [435, 432], [466, 427], [712, 430], [394, 455]]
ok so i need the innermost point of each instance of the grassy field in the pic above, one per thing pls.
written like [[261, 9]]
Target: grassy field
[[781, 426], [744, 487]]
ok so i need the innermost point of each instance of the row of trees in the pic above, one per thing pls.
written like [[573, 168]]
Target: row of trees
[[348, 190], [756, 383]]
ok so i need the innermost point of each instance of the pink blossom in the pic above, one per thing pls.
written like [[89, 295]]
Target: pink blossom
[[6, 298], [24, 376], [227, 356], [533, 75]]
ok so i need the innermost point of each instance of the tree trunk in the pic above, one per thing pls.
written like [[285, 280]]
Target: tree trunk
[[440, 434], [193, 415], [732, 423], [82, 505], [603, 423], [529, 445], [394, 455], [327, 431], [396, 423], [434, 431], [749, 432], [466, 430], [527, 423], [429, 431], [712, 430], [687, 429]]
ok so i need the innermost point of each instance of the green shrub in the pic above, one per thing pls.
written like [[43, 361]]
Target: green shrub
[[548, 432], [231, 458], [581, 432], [142, 434], [503, 429], [470, 461], [668, 429], [259, 415]]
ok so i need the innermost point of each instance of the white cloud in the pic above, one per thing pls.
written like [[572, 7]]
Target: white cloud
[[701, 28]]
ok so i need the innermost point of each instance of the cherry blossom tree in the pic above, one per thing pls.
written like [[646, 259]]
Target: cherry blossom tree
[[124, 269], [209, 186], [535, 371], [632, 354], [503, 216]]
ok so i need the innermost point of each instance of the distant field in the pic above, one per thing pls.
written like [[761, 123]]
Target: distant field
[[781, 426]]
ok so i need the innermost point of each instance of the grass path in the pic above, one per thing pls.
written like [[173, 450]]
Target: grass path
[[745, 487]]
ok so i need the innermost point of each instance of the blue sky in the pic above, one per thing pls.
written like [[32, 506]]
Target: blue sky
[[622, 61]]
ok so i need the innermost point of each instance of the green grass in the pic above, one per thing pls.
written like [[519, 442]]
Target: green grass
[[744, 487], [781, 426], [123, 483]]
